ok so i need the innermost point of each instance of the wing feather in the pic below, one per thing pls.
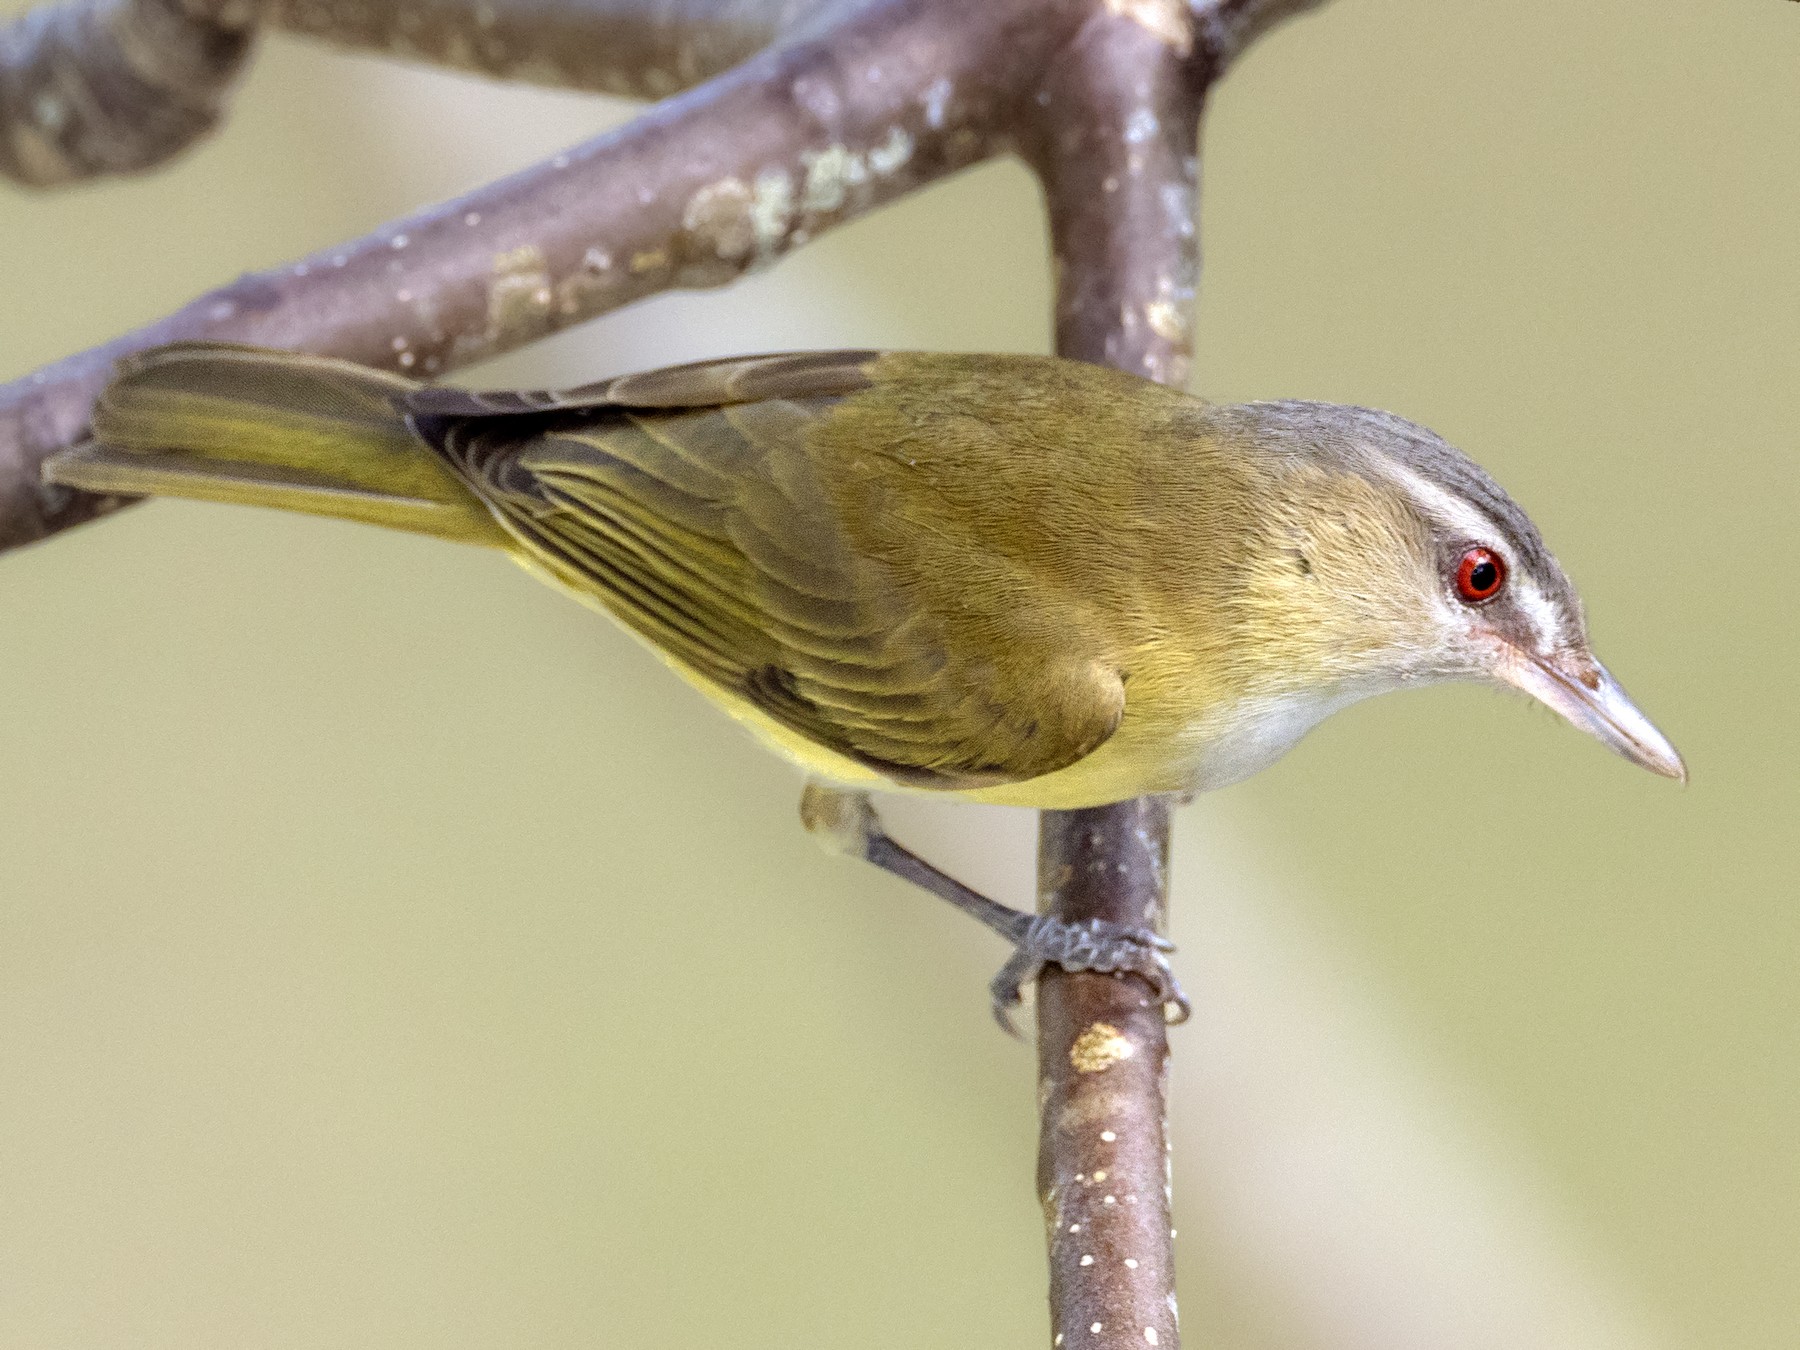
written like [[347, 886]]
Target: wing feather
[[691, 504], [703, 384]]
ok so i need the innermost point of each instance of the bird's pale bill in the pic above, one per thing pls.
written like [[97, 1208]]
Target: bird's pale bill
[[1579, 688]]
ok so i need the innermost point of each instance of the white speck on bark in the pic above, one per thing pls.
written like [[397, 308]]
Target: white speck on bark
[[49, 111], [891, 155], [1166, 320], [937, 102], [721, 220], [771, 210], [818, 98], [830, 174]]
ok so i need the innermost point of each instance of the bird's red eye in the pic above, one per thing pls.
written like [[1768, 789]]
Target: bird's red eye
[[1480, 575]]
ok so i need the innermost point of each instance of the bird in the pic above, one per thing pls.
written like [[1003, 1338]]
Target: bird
[[1003, 578]]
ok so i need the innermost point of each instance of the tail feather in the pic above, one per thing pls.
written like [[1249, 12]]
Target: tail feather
[[303, 433]]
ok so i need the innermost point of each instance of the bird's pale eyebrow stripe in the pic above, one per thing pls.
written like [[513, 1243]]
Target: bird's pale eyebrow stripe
[[1462, 515], [1453, 510]]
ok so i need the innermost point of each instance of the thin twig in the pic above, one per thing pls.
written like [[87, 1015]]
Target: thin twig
[[1227, 27]]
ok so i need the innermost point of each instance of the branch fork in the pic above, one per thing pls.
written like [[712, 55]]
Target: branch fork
[[799, 115]]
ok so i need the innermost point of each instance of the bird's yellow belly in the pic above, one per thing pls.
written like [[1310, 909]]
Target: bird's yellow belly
[[1157, 749], [1148, 755], [1228, 741]]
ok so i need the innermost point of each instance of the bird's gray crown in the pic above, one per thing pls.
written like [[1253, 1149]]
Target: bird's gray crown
[[1453, 494]]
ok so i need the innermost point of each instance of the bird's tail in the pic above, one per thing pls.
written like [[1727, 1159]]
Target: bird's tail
[[305, 433]]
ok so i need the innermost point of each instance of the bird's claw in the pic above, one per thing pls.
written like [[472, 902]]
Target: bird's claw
[[1096, 945]]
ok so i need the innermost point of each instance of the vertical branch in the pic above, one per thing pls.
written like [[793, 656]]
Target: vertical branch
[[1117, 155], [1116, 152], [1103, 1160]]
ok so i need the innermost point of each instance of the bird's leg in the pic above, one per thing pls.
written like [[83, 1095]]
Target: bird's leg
[[844, 822]]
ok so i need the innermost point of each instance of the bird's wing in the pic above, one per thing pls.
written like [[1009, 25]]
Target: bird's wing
[[703, 384], [697, 515]]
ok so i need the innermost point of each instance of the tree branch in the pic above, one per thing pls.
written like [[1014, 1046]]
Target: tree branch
[[1117, 156], [1116, 149], [1104, 98], [95, 87], [633, 48], [1227, 27], [694, 193], [1103, 1141]]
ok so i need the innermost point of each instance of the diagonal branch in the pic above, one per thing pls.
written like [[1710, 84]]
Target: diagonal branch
[[882, 97], [96, 87], [694, 193]]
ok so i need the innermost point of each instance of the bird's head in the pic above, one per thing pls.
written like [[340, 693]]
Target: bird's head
[[1390, 556]]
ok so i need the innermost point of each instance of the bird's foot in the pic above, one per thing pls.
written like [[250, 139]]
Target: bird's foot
[[844, 822], [1098, 946]]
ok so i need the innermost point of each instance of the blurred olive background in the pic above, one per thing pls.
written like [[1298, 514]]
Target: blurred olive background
[[392, 954]]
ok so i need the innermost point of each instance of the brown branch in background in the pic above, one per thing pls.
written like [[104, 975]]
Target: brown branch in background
[[1116, 151], [634, 48], [95, 87]]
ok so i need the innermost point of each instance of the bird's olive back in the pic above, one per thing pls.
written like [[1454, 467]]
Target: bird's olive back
[[1020, 490]]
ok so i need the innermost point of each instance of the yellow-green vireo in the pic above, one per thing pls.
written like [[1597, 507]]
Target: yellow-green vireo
[[1011, 579]]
